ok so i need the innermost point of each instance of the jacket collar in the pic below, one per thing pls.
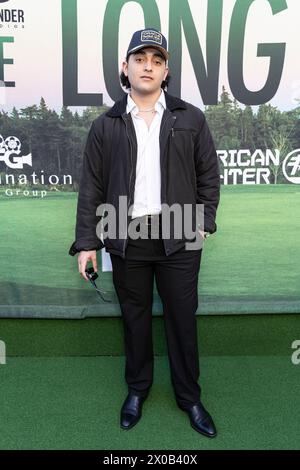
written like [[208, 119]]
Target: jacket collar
[[119, 107]]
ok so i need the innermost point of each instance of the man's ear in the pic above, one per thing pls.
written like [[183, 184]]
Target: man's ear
[[166, 72], [125, 68]]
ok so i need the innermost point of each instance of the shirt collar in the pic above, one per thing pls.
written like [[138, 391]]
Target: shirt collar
[[160, 104]]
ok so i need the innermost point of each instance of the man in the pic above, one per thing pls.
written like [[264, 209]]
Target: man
[[157, 151]]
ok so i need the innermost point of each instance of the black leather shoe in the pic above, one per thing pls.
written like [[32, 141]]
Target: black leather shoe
[[131, 411], [201, 420]]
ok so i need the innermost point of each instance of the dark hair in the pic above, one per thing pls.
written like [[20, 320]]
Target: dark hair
[[126, 83]]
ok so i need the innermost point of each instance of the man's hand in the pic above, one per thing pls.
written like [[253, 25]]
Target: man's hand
[[202, 233], [83, 258]]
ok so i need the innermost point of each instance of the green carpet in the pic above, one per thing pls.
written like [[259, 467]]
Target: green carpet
[[237, 335], [74, 402]]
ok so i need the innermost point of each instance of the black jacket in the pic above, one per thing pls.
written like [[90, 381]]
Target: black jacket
[[190, 171]]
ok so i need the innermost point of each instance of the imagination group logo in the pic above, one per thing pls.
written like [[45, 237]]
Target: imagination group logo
[[10, 150], [30, 182]]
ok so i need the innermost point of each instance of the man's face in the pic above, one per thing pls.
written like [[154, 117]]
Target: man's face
[[146, 70]]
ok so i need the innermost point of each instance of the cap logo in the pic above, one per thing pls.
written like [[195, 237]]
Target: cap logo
[[153, 36]]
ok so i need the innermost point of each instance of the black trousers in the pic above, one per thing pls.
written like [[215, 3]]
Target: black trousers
[[176, 280]]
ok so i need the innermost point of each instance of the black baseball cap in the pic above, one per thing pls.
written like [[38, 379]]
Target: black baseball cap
[[149, 37]]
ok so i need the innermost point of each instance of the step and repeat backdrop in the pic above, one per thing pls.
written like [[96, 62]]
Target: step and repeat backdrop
[[237, 60]]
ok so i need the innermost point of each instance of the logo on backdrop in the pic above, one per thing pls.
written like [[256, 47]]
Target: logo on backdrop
[[241, 166], [13, 15], [10, 150], [291, 167], [34, 184]]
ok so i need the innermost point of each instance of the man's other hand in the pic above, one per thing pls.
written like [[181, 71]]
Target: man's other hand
[[202, 233], [83, 258]]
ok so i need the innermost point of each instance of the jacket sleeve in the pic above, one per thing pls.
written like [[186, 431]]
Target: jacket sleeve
[[90, 195], [207, 176]]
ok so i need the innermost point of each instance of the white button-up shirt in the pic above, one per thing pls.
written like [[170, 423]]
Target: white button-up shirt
[[147, 198]]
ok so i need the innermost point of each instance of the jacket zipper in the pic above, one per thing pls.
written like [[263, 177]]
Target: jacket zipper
[[130, 177], [172, 132]]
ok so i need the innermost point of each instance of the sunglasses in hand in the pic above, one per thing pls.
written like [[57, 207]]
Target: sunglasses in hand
[[92, 276]]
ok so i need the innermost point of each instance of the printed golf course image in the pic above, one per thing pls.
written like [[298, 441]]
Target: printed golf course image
[[250, 265]]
